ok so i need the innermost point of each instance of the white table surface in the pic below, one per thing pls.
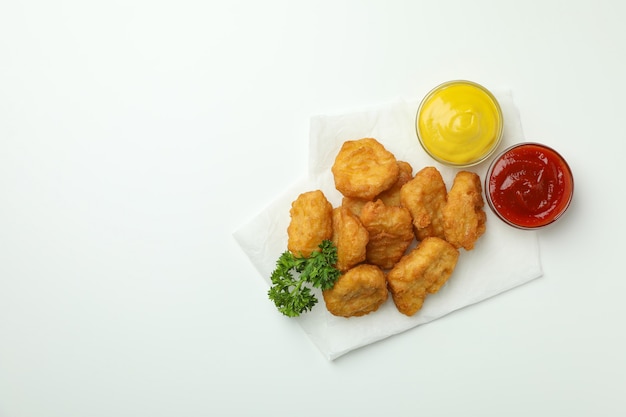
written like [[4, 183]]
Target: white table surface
[[136, 136]]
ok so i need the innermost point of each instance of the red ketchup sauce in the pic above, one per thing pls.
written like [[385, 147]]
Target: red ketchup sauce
[[529, 185]]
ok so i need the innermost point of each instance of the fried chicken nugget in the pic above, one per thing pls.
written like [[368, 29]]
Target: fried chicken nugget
[[464, 219], [311, 223], [423, 270], [355, 205], [363, 169], [425, 196], [391, 197], [359, 291], [390, 232], [350, 237]]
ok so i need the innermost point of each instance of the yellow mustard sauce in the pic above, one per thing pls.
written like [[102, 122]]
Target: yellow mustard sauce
[[459, 123]]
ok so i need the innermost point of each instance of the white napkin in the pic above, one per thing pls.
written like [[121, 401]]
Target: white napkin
[[503, 257]]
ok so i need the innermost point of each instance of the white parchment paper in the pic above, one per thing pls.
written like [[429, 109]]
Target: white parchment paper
[[502, 259]]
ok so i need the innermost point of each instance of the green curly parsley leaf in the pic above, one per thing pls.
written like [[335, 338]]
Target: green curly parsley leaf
[[293, 277]]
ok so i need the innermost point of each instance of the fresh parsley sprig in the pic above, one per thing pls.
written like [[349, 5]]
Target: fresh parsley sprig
[[295, 275]]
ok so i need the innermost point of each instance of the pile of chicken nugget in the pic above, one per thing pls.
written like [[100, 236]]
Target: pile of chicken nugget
[[396, 232]]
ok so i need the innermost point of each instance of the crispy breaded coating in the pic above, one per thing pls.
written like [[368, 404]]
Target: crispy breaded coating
[[311, 223], [424, 196], [350, 237], [423, 270], [391, 197], [359, 291], [390, 232], [464, 218], [355, 205], [363, 168]]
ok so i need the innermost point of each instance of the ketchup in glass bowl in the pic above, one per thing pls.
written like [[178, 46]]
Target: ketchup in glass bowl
[[529, 185]]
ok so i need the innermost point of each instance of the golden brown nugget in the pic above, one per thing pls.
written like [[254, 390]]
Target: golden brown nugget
[[363, 169], [355, 205], [425, 196], [359, 291], [350, 237], [423, 270], [391, 197], [311, 223], [464, 218], [390, 233]]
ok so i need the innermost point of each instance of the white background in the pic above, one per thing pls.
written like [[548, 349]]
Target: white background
[[136, 136]]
